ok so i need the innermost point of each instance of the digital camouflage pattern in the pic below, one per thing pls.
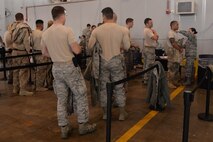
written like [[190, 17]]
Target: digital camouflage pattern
[[20, 36], [111, 71], [20, 76], [173, 72], [18, 32], [41, 71], [190, 53], [149, 59], [67, 76], [190, 45]]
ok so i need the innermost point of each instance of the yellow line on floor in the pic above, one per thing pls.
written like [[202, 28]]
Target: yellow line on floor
[[176, 92], [138, 126]]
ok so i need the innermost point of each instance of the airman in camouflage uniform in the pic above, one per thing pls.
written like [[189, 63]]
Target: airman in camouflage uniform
[[190, 53], [20, 32], [112, 68], [58, 42], [40, 72], [174, 50], [150, 43]]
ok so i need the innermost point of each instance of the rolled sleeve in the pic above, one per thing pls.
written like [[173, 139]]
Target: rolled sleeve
[[149, 33], [171, 35]]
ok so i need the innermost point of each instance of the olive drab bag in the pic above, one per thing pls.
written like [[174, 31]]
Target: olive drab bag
[[18, 33]]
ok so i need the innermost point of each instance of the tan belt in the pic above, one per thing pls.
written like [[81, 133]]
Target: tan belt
[[63, 63], [150, 47]]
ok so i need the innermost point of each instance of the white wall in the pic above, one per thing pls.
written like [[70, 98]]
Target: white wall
[[79, 14], [19, 6], [2, 18]]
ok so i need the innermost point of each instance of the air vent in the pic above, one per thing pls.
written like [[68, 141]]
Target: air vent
[[185, 7]]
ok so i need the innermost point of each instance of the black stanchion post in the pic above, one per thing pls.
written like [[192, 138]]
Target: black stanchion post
[[109, 111], [208, 95], [188, 98], [30, 77], [4, 62], [207, 116]]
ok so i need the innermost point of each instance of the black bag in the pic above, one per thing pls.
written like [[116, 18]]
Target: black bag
[[70, 108]]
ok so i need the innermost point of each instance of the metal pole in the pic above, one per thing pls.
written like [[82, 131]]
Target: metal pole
[[30, 77], [208, 95], [207, 116], [188, 98], [4, 63], [109, 111]]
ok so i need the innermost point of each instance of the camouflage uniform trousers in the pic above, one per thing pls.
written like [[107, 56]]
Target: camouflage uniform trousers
[[68, 77], [190, 67], [9, 64], [125, 69], [149, 59], [20, 76], [40, 71], [191, 53], [112, 70], [173, 72]]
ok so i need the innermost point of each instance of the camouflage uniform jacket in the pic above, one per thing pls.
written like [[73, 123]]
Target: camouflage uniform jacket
[[158, 92], [191, 44], [21, 36], [92, 73]]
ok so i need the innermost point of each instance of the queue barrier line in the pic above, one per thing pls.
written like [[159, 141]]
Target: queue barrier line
[[4, 59], [25, 66], [23, 55], [139, 125], [110, 86], [189, 98]]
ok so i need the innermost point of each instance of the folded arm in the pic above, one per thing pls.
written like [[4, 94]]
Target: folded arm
[[175, 45]]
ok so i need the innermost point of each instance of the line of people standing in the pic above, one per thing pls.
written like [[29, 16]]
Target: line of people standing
[[21, 39], [175, 45]]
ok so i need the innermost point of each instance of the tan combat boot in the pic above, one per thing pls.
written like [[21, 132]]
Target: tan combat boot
[[66, 131], [15, 90], [171, 85], [25, 93], [86, 128], [123, 114]]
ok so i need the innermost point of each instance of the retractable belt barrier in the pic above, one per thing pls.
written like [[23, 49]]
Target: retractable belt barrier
[[110, 87], [4, 59], [189, 98]]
